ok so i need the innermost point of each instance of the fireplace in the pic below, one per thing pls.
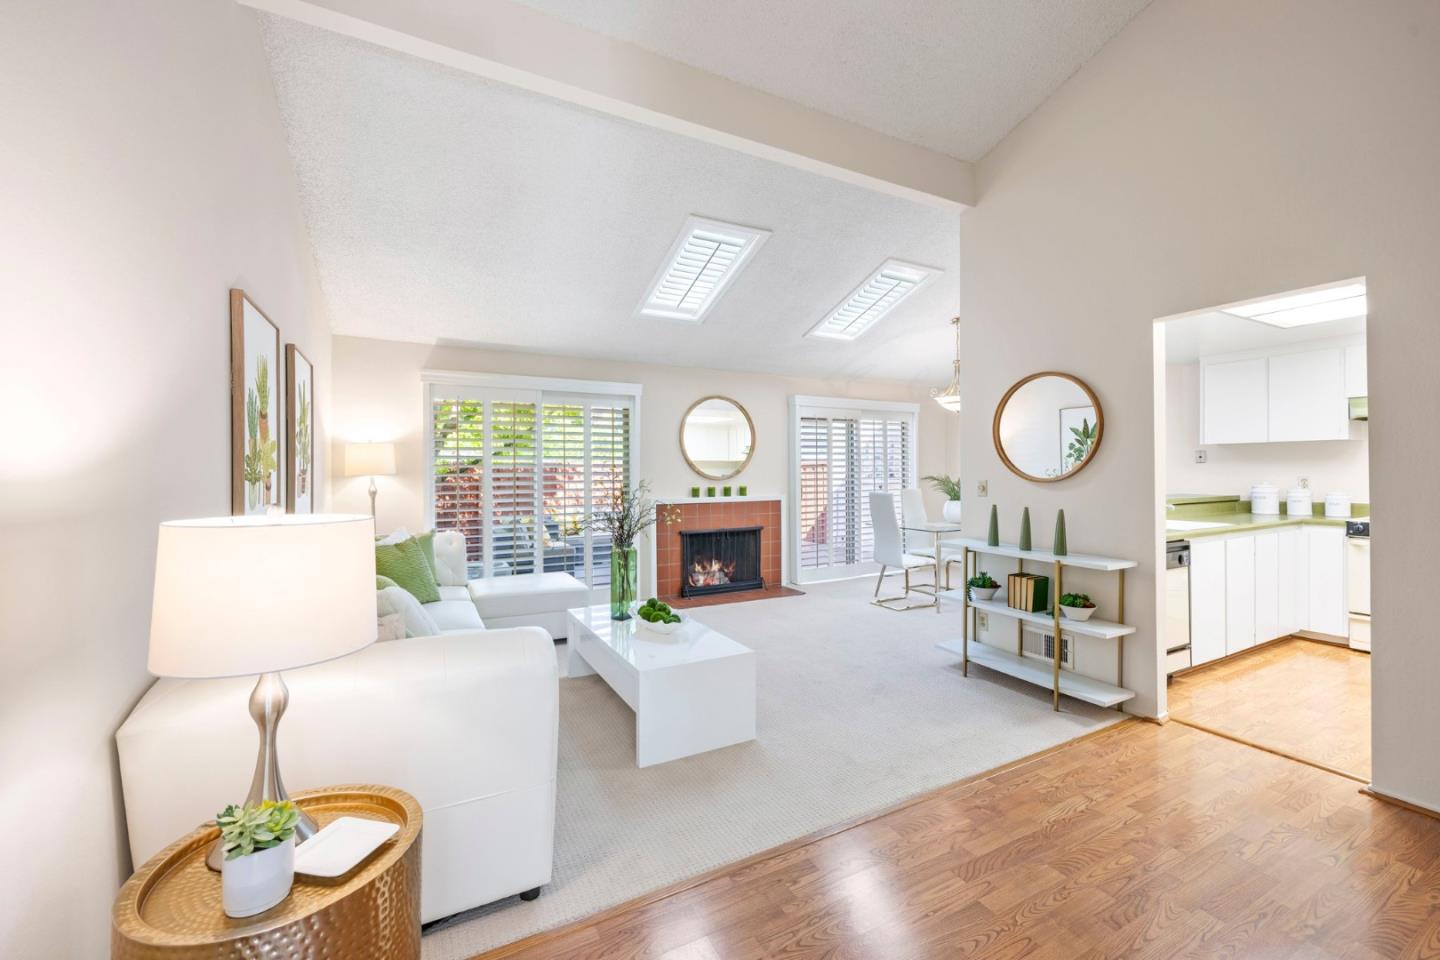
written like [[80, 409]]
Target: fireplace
[[720, 561]]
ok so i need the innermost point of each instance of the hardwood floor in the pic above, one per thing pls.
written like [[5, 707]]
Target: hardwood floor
[[1142, 841], [1301, 697]]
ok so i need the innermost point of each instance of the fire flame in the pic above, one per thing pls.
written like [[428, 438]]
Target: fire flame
[[710, 573]]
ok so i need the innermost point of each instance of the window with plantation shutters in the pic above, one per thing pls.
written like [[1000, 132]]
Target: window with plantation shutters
[[842, 454], [517, 471]]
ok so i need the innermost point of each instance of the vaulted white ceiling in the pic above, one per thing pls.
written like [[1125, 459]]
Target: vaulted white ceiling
[[951, 75], [443, 206]]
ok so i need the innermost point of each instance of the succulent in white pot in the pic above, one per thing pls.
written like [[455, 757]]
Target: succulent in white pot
[[950, 486], [259, 865], [1077, 606], [982, 586]]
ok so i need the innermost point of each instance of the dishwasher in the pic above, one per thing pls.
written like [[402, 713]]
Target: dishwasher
[[1177, 606]]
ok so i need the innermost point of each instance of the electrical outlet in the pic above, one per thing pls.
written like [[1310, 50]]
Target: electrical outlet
[[982, 489], [982, 620], [1303, 483], [1200, 456]]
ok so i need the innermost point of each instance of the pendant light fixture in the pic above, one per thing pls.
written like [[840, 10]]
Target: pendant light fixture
[[949, 398]]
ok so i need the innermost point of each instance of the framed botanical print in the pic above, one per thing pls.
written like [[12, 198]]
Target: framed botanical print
[[255, 478], [299, 432]]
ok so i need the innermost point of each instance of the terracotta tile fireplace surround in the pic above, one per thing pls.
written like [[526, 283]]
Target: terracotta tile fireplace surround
[[716, 515]]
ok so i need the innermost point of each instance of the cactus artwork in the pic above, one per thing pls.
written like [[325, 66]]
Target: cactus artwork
[[256, 404]]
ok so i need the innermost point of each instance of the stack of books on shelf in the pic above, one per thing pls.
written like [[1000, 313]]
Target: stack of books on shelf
[[1028, 591]]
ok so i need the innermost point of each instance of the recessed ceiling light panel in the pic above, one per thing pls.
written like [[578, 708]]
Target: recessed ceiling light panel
[[1335, 302], [867, 304], [702, 262]]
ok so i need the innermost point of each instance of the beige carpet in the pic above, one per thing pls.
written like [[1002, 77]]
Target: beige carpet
[[857, 711]]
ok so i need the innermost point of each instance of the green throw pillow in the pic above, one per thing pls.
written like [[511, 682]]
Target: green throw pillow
[[427, 544], [382, 582], [404, 562]]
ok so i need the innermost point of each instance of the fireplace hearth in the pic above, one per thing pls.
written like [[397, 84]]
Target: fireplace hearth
[[720, 561]]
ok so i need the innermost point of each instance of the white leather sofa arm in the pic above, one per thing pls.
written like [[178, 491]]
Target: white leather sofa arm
[[466, 722]]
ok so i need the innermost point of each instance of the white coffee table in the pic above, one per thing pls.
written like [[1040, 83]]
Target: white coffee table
[[691, 691]]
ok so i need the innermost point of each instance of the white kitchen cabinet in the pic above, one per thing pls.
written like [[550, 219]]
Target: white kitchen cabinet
[[1234, 395], [1207, 600], [1307, 399], [1357, 379], [1267, 587], [1239, 594], [1293, 580], [1328, 611]]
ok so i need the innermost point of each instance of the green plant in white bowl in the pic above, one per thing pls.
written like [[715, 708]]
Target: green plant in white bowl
[[951, 488], [1077, 606], [259, 865], [982, 586]]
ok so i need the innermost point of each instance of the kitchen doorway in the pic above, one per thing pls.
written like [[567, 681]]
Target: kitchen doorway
[[1262, 473]]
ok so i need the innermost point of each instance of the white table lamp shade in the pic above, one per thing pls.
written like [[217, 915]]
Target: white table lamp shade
[[237, 596], [369, 459]]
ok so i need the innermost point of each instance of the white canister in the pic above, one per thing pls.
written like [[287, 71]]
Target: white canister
[[951, 511], [254, 884], [1299, 503], [1337, 506], [1265, 500]]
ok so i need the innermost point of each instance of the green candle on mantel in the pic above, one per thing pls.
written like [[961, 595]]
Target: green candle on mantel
[[1060, 548], [1025, 529], [993, 538]]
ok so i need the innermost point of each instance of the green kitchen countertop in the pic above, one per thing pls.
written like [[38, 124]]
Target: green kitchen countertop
[[1187, 499], [1245, 523]]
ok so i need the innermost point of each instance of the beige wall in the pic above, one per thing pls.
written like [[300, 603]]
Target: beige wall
[[378, 395], [1214, 152], [145, 174], [1341, 466]]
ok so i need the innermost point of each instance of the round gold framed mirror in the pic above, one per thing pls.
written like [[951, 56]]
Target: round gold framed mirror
[[1048, 426], [717, 437]]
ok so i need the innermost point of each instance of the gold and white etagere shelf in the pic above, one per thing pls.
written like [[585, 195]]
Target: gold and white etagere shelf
[[1045, 672]]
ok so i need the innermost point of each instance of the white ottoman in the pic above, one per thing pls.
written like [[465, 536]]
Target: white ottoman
[[529, 600]]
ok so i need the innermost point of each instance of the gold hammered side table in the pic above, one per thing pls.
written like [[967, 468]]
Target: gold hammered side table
[[171, 908]]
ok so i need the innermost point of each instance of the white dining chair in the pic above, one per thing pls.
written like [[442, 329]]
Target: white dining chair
[[890, 552], [912, 510]]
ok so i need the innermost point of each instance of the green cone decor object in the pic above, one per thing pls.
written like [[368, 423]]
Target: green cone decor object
[[993, 538], [1025, 529], [1060, 548]]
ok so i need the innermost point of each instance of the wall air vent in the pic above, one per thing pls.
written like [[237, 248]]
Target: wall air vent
[[702, 262], [867, 304]]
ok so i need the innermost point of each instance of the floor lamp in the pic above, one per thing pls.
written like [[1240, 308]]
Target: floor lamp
[[370, 460], [251, 596]]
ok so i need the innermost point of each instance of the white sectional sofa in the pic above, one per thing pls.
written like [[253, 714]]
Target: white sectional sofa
[[522, 600], [467, 722]]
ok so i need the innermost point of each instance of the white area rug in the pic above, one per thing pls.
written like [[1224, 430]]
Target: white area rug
[[857, 711]]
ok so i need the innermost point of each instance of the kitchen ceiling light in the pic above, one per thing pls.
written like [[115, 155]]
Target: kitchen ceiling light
[[703, 260], [1339, 302], [880, 293], [949, 397]]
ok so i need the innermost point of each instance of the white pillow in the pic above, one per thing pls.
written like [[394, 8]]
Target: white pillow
[[418, 622], [391, 627], [399, 535]]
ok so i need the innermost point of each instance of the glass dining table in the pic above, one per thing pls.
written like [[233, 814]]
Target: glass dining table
[[936, 529]]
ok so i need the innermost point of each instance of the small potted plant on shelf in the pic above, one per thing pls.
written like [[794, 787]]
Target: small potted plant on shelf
[[1077, 606], [950, 486], [259, 866], [982, 586]]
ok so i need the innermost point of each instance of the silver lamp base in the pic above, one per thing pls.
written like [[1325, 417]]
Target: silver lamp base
[[267, 705]]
